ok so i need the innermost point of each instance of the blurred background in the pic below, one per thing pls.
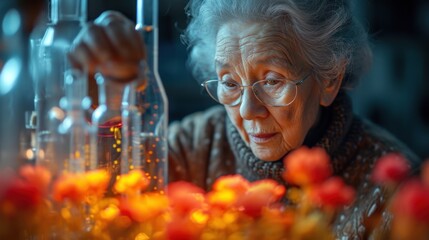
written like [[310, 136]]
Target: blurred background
[[394, 94]]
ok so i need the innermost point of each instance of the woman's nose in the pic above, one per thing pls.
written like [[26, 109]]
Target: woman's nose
[[251, 107]]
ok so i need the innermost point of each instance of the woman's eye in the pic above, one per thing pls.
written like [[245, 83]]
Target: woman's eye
[[230, 85], [272, 82]]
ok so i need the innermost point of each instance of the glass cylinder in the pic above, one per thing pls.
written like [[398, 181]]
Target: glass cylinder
[[152, 101], [107, 120], [66, 20], [131, 129], [79, 136]]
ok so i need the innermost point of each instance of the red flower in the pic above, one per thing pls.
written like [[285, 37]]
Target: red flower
[[22, 193], [412, 200], [390, 169], [305, 166], [38, 175], [19, 195], [185, 197], [260, 194], [183, 228], [333, 193]]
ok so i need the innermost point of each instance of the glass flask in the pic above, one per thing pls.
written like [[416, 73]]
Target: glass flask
[[79, 136], [67, 18], [106, 118], [152, 101]]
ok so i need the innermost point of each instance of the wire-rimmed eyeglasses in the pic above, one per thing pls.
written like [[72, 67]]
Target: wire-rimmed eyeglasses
[[271, 92]]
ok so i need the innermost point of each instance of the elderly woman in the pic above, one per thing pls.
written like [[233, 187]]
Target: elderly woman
[[280, 70]]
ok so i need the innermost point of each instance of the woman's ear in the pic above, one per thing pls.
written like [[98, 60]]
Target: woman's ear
[[330, 88]]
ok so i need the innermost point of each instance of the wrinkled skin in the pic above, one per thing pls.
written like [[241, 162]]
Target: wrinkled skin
[[248, 52]]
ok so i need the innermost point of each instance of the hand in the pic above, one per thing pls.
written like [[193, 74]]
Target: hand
[[110, 45]]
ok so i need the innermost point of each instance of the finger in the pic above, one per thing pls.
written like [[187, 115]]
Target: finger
[[81, 57], [121, 31], [120, 71], [99, 43], [139, 45], [112, 16], [125, 40]]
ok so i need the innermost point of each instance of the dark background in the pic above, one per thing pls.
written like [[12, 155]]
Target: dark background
[[394, 94]]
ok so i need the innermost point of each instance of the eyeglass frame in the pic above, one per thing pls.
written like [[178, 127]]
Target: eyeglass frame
[[296, 82]]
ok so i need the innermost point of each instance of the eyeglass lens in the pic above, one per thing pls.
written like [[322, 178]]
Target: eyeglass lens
[[270, 92]]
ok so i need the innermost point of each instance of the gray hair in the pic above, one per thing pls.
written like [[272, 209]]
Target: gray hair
[[322, 34]]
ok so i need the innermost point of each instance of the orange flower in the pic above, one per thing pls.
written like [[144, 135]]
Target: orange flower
[[97, 182], [390, 169], [81, 187], [131, 183], [305, 166], [37, 175], [185, 197], [222, 199], [235, 183], [260, 194], [333, 193], [226, 191], [412, 201], [70, 186], [145, 207]]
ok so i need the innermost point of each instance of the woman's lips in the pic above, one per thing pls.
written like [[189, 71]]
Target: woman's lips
[[261, 137]]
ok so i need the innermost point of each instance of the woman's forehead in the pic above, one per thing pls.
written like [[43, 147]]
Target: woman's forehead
[[255, 43]]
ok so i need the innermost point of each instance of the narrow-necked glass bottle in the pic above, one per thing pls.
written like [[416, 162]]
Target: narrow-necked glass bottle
[[67, 18], [79, 136], [107, 119], [131, 129], [152, 101]]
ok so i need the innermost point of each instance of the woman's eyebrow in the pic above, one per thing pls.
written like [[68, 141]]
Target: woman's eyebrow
[[221, 64], [275, 60]]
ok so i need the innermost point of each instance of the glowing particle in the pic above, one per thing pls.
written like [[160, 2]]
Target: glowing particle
[[142, 236], [65, 213], [29, 154]]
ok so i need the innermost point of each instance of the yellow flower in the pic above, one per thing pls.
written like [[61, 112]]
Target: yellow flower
[[144, 207], [131, 183], [97, 182]]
